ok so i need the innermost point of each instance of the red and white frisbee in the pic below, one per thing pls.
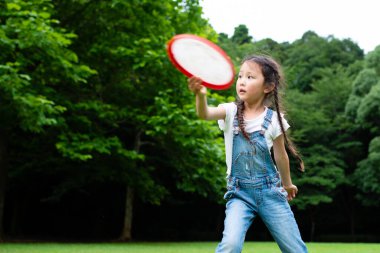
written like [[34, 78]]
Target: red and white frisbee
[[196, 56]]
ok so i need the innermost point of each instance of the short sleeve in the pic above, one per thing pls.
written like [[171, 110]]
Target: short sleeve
[[224, 124], [276, 131]]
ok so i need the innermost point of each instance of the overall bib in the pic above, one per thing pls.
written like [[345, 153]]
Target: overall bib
[[254, 188]]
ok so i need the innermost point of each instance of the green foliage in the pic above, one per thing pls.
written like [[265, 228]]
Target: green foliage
[[124, 41], [100, 98], [361, 86], [369, 109], [80, 147], [35, 59], [278, 51], [88, 95], [319, 127], [314, 131], [363, 108], [189, 143], [323, 174], [373, 60], [364, 82], [366, 176], [311, 53], [241, 35], [333, 88]]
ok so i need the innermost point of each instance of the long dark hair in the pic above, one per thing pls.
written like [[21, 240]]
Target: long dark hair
[[272, 73]]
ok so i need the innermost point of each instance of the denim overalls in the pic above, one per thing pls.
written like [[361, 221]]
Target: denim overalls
[[254, 188]]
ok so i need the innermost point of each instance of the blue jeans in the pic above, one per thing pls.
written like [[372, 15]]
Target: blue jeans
[[263, 197], [254, 189]]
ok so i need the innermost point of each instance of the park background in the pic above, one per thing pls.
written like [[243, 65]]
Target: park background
[[99, 139]]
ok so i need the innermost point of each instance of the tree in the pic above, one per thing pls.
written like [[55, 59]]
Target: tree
[[36, 68], [312, 52], [366, 175], [373, 59], [125, 42], [319, 127], [362, 85], [241, 35], [278, 51], [98, 134], [364, 108], [90, 101]]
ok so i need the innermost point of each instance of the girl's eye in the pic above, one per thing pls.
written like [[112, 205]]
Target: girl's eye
[[250, 77], [239, 76]]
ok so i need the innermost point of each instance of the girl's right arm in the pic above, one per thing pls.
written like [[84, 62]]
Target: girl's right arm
[[203, 110]]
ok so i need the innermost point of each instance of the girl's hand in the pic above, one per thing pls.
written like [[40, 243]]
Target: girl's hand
[[292, 191], [195, 85]]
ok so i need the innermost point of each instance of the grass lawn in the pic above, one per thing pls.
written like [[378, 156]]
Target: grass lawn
[[186, 247]]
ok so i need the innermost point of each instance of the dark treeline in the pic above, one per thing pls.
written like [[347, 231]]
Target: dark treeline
[[99, 139]]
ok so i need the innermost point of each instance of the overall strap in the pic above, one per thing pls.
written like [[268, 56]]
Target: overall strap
[[236, 128], [267, 121]]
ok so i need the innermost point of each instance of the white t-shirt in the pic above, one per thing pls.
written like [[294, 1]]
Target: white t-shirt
[[226, 125]]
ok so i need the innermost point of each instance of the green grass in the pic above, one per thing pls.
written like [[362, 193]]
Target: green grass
[[186, 247]]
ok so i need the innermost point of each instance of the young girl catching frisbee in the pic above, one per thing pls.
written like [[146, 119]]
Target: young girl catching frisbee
[[256, 186]]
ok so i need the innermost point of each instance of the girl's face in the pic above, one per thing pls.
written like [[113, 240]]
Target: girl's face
[[250, 86]]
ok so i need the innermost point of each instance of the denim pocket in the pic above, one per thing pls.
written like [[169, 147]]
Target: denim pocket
[[281, 193], [228, 195], [231, 188]]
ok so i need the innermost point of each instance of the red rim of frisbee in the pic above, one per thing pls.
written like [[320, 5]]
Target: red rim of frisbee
[[210, 44]]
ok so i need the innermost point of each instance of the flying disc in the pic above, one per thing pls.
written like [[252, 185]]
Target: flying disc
[[197, 56]]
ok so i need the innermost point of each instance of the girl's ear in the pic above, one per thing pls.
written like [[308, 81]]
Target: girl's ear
[[269, 88]]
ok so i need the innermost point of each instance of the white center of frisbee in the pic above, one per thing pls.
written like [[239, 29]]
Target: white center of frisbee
[[202, 60]]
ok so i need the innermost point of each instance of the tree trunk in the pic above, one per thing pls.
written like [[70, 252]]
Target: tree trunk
[[350, 203], [312, 231], [312, 227], [352, 222], [126, 233], [3, 180]]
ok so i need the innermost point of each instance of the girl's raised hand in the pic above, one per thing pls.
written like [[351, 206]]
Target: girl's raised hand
[[292, 191], [195, 85]]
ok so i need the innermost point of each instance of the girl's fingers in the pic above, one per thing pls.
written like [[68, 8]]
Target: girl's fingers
[[291, 195], [292, 192], [194, 83]]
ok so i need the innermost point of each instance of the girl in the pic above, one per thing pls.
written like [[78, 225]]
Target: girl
[[255, 187]]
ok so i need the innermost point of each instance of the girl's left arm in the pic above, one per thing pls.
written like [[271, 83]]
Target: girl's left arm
[[282, 162]]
